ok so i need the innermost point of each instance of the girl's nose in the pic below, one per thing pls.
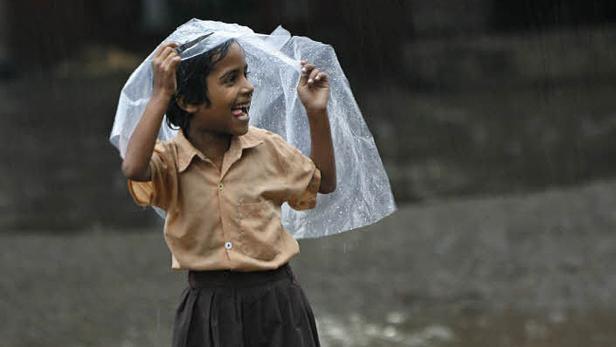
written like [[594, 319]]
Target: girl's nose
[[248, 87], [247, 92]]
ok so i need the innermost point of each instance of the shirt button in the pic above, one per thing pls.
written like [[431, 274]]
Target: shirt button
[[220, 186], [228, 245]]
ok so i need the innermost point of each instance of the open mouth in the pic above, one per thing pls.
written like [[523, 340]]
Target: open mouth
[[241, 110]]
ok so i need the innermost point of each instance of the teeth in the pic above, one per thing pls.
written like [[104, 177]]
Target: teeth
[[242, 107]]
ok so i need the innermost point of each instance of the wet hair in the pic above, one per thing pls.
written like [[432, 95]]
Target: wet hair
[[191, 77]]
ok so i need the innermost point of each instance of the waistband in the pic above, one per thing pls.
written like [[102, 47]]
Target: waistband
[[229, 278]]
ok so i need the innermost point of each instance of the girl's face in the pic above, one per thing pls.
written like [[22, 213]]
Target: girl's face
[[230, 93]]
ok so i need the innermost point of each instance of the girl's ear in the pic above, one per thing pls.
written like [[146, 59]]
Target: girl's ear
[[190, 108]]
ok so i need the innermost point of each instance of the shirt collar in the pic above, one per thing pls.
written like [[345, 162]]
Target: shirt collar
[[186, 151]]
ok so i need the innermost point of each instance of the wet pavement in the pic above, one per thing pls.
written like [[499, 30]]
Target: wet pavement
[[522, 270]]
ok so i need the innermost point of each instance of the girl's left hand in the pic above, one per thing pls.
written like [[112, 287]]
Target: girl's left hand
[[313, 88]]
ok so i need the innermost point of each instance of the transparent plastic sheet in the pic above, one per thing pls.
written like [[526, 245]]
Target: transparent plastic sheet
[[363, 195]]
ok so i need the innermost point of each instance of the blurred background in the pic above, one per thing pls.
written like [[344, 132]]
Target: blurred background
[[495, 120]]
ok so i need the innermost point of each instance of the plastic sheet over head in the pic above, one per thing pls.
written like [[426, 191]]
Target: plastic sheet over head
[[363, 195]]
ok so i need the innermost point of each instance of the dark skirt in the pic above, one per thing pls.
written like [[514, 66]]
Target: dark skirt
[[242, 309]]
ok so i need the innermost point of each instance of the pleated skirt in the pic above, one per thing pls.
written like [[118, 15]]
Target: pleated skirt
[[244, 309]]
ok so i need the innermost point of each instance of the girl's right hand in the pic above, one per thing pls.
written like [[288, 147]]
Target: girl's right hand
[[164, 65]]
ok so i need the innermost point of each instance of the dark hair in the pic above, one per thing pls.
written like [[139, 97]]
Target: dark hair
[[191, 77]]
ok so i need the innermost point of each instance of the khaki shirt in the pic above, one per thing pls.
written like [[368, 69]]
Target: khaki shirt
[[229, 218]]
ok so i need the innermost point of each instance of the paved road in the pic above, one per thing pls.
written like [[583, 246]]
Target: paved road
[[527, 270]]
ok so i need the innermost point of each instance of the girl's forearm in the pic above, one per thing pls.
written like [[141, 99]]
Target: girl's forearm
[[136, 164], [322, 149]]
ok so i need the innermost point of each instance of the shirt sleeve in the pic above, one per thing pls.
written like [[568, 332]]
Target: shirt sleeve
[[302, 178], [158, 191]]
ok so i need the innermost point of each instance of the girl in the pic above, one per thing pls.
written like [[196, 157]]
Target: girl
[[221, 183]]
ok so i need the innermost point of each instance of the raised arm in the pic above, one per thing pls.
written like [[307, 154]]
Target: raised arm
[[136, 163], [313, 90]]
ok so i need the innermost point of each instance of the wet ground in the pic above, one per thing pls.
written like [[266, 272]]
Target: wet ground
[[521, 271]]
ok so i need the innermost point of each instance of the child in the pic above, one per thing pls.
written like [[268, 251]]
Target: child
[[221, 183], [364, 195]]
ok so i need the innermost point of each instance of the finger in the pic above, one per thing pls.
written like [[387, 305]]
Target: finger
[[171, 62], [306, 70], [175, 61], [167, 52], [167, 64], [313, 74], [322, 76], [164, 46], [159, 60], [169, 55], [159, 50]]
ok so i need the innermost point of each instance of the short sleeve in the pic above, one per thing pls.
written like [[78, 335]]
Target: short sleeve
[[158, 191], [301, 177]]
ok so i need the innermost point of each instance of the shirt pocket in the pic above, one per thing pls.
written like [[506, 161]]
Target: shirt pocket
[[260, 229]]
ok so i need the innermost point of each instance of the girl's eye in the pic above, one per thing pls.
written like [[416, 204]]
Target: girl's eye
[[231, 78]]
